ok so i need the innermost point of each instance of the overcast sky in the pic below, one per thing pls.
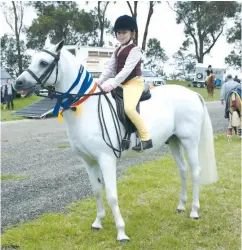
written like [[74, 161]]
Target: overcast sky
[[162, 26]]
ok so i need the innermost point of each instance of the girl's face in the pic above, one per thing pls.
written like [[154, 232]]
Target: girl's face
[[123, 36]]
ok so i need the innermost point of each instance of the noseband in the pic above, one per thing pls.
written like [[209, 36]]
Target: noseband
[[45, 76]]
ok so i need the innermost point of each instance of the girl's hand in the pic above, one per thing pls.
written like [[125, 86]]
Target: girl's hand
[[106, 87]]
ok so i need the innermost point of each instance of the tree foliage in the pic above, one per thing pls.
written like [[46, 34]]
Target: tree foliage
[[155, 55], [14, 13], [203, 22], [234, 37], [185, 63], [62, 19], [9, 55]]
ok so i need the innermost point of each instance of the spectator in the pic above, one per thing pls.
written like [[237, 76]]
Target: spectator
[[3, 95], [227, 87], [236, 79], [9, 96]]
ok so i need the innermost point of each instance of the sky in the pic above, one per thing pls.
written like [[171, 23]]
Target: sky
[[162, 26]]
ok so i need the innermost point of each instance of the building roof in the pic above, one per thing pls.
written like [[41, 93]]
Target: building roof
[[4, 74]]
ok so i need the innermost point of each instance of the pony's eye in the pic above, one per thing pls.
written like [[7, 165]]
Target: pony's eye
[[43, 64]]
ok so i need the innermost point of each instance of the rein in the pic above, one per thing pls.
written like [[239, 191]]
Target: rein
[[67, 99], [117, 151]]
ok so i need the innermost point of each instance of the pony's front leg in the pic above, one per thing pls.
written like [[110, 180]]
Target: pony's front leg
[[94, 173], [108, 167]]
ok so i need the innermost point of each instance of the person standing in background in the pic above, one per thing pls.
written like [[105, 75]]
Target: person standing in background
[[236, 79], [9, 96], [3, 95]]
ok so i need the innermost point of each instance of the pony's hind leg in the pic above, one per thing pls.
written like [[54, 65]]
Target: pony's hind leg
[[94, 173], [178, 155], [192, 155]]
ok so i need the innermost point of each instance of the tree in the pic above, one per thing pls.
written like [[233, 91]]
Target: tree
[[203, 22], [103, 22], [9, 55], [62, 20], [134, 15], [234, 36], [14, 14], [133, 12], [150, 13], [185, 63], [155, 55], [175, 75]]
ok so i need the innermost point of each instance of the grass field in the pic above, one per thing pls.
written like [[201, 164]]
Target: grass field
[[18, 104], [12, 177], [148, 196], [201, 91]]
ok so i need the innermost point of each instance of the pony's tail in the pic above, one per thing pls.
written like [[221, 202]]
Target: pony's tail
[[206, 150]]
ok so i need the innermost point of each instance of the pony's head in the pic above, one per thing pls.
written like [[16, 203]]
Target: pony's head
[[42, 71]]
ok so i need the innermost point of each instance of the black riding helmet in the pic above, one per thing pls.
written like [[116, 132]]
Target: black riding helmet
[[125, 22]]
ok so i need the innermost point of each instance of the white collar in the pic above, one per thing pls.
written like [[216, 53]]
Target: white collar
[[125, 45]]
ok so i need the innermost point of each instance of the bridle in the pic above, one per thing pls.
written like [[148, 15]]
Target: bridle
[[46, 75]]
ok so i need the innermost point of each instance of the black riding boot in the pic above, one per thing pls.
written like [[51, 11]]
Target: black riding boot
[[143, 145]]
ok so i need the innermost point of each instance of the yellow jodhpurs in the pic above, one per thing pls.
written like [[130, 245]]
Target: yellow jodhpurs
[[132, 91]]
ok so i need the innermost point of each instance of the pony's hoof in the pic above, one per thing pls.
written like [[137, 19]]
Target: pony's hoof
[[180, 210], [96, 228], [195, 218], [123, 240], [194, 215]]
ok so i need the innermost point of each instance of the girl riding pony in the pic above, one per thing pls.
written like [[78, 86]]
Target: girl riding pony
[[125, 67]]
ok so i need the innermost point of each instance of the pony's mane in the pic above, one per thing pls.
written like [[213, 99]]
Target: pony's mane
[[50, 47], [66, 54], [211, 78]]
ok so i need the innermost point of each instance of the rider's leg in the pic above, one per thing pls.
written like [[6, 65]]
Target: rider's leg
[[132, 91]]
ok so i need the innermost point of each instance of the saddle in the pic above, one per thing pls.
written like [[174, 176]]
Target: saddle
[[117, 94]]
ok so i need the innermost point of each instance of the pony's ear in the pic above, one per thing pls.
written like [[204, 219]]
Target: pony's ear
[[59, 46]]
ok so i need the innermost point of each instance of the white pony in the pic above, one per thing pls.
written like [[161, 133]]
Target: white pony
[[173, 112]]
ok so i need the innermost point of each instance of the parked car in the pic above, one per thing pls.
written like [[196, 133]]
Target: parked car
[[198, 84], [151, 78]]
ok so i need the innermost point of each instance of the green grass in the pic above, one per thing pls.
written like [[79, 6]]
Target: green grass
[[148, 196], [63, 146], [12, 177], [201, 91], [18, 104]]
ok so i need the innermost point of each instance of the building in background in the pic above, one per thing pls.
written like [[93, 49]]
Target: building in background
[[94, 59], [5, 77]]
